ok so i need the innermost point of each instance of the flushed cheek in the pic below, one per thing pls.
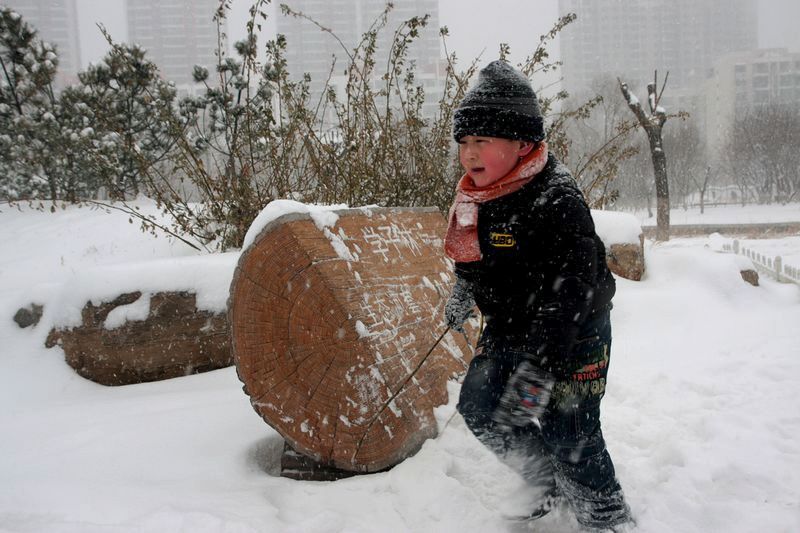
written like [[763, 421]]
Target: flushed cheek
[[500, 163]]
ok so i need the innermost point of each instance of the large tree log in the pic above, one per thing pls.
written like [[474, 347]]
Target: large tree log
[[338, 334]]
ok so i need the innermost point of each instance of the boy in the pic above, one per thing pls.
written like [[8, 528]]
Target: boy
[[526, 252]]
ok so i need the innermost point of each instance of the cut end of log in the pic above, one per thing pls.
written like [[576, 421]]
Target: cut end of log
[[334, 332]]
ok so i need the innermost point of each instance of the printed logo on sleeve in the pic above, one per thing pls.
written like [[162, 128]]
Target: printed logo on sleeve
[[502, 240]]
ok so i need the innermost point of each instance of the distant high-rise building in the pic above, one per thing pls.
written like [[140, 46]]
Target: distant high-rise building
[[177, 35], [310, 50], [57, 23], [633, 38], [744, 81]]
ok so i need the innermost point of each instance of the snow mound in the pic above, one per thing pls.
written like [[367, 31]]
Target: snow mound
[[207, 276], [614, 227]]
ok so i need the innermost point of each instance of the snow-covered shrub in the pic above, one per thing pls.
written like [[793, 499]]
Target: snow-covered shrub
[[26, 108]]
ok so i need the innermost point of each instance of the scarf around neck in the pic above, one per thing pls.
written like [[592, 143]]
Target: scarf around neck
[[461, 241]]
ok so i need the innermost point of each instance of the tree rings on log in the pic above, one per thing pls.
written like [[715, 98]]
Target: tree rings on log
[[337, 332]]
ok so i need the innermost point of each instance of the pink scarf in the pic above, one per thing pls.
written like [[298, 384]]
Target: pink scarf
[[461, 241]]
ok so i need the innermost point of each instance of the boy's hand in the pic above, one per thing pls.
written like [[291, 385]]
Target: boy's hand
[[459, 306], [525, 398]]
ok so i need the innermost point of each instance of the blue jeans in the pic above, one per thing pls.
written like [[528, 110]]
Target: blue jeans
[[566, 452]]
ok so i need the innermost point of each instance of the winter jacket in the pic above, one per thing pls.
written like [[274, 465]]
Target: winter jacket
[[543, 272]]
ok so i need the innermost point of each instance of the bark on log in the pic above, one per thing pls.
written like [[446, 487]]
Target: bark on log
[[175, 340], [334, 333], [627, 260]]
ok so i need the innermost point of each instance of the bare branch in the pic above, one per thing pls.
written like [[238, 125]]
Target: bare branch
[[634, 104]]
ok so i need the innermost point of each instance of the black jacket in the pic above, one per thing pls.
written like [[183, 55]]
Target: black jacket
[[543, 273]]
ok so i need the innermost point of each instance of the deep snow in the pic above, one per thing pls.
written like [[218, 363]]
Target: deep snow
[[701, 415]]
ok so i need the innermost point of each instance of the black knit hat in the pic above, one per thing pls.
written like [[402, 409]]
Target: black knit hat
[[501, 104]]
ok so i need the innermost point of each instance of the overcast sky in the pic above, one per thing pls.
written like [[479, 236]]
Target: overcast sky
[[476, 26]]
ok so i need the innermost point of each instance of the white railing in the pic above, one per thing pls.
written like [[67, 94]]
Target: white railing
[[772, 266]]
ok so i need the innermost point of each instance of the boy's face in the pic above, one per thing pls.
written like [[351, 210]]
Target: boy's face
[[487, 159]]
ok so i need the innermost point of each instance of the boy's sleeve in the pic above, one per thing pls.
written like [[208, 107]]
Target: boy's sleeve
[[572, 253]]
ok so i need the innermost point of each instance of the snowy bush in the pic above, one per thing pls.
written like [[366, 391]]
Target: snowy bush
[[103, 132], [132, 110], [26, 105]]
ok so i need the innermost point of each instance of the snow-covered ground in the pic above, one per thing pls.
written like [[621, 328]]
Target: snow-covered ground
[[728, 214], [701, 415]]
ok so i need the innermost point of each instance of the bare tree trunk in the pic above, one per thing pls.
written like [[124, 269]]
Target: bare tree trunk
[[702, 188], [653, 125], [662, 183]]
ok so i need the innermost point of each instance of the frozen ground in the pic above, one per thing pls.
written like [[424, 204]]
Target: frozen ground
[[701, 415]]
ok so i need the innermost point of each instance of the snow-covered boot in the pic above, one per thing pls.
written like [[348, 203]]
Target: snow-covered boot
[[596, 511], [548, 503]]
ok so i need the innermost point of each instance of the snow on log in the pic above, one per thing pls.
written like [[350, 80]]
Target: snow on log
[[337, 332], [147, 321], [624, 241]]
